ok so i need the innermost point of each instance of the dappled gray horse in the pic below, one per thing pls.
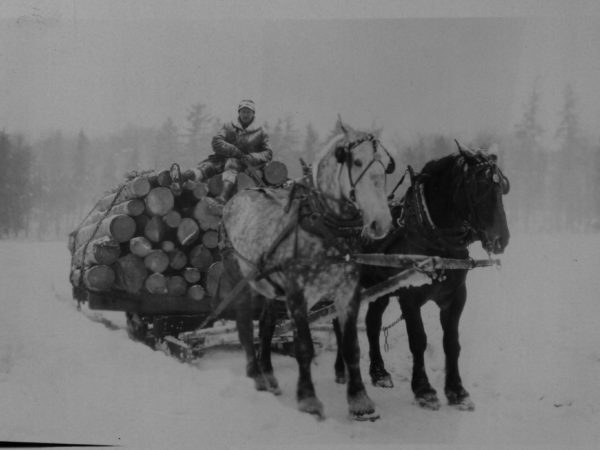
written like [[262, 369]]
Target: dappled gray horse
[[294, 238]]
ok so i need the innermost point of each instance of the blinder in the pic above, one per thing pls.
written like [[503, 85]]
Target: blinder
[[343, 153]]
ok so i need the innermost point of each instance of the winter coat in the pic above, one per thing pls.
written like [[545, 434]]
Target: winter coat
[[251, 144]]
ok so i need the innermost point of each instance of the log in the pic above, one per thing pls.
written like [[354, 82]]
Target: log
[[215, 185], [176, 285], [275, 173], [130, 273], [188, 231], [163, 178], [245, 181], [119, 227], [140, 246], [167, 246], [159, 201], [156, 283], [192, 275], [172, 219], [95, 278], [104, 250], [196, 292], [131, 208], [210, 239], [213, 278], [156, 261], [200, 190], [200, 257], [155, 229], [140, 224], [136, 188], [205, 216], [177, 259]]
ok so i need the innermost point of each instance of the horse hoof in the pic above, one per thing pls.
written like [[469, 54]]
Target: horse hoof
[[360, 405], [464, 404], [428, 401], [382, 382], [260, 384], [460, 400], [313, 406], [365, 417], [272, 384]]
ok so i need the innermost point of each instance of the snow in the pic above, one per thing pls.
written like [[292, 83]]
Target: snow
[[530, 360]]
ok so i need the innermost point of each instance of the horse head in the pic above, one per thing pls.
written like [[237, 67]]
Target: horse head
[[351, 171], [484, 184]]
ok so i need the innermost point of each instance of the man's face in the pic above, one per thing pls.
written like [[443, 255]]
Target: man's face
[[246, 115]]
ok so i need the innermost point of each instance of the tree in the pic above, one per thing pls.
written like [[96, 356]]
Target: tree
[[166, 145], [197, 145]]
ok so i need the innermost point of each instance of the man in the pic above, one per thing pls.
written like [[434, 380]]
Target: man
[[237, 146]]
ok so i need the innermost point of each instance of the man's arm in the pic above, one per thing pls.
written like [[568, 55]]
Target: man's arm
[[262, 154], [223, 148]]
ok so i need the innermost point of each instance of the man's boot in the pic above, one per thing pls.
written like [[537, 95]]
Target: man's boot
[[227, 191], [216, 204]]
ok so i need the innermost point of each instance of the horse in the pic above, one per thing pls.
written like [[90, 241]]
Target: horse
[[453, 202], [295, 240]]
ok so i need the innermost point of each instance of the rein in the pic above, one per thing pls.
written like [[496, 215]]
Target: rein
[[414, 216]]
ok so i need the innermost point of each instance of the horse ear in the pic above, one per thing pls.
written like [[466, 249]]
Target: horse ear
[[463, 151], [340, 125]]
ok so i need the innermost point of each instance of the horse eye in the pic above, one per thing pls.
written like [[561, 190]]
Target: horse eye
[[358, 163]]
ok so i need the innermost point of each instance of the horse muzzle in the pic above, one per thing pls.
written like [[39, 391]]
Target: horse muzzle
[[376, 229], [495, 244]]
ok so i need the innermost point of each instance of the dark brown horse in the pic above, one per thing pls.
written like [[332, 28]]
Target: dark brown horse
[[455, 201], [291, 239]]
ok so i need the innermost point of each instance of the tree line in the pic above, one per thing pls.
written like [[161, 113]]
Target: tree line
[[48, 185]]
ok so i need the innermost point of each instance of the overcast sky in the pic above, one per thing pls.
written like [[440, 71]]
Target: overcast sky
[[99, 66]]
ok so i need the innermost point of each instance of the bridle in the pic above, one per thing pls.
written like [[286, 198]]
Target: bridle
[[493, 177], [344, 157]]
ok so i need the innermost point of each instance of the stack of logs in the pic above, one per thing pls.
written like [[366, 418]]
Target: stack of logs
[[155, 236]]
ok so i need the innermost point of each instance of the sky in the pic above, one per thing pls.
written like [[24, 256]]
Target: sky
[[99, 66]]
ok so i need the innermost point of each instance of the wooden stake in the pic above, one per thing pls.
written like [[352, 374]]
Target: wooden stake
[[213, 277]]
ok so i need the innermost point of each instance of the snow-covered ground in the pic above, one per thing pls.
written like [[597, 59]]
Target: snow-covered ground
[[531, 359]]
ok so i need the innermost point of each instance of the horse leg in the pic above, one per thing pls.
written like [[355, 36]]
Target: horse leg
[[449, 317], [379, 376], [340, 366], [425, 394], [243, 316], [303, 346], [245, 329], [265, 331], [360, 405]]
